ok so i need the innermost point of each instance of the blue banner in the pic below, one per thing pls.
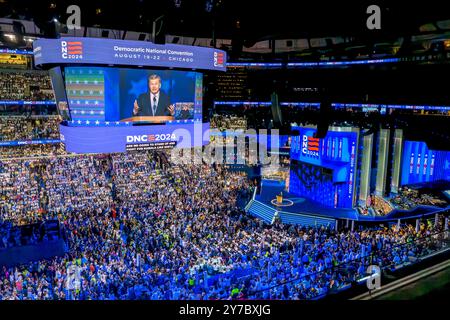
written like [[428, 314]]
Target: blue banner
[[15, 51], [119, 138], [27, 142], [100, 51], [25, 102]]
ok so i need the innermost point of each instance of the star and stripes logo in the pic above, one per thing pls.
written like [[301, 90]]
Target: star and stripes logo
[[72, 49], [310, 146], [218, 59], [313, 144]]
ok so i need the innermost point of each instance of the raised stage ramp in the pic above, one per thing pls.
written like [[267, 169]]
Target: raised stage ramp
[[305, 220], [262, 211], [268, 212]]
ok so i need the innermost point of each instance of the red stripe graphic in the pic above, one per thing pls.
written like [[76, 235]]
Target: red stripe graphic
[[74, 43], [75, 52], [75, 47], [313, 149]]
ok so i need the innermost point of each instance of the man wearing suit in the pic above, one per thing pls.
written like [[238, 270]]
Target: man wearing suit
[[154, 102]]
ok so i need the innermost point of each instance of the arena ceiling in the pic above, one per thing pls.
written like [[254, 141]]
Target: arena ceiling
[[251, 20]]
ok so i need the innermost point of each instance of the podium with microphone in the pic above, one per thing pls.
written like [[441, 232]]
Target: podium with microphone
[[279, 201], [149, 119]]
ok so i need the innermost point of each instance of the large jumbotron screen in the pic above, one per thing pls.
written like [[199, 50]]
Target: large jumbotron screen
[[118, 94]]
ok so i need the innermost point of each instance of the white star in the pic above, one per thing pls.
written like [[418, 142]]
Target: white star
[[107, 123], [82, 111], [92, 111], [97, 122], [87, 122], [79, 121]]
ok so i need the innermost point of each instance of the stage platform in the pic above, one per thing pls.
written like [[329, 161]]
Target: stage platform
[[271, 188], [298, 210]]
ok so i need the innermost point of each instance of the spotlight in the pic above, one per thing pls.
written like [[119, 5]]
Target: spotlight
[[209, 5], [11, 37]]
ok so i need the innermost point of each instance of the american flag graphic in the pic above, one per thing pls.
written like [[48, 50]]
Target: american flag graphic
[[74, 47]]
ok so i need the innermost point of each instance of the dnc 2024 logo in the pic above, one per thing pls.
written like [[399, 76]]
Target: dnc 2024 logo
[[219, 58], [72, 50], [310, 146]]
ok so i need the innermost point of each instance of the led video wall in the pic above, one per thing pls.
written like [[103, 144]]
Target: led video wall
[[420, 164], [325, 169], [118, 94]]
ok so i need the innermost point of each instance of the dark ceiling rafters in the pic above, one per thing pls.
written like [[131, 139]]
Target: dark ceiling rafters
[[282, 19]]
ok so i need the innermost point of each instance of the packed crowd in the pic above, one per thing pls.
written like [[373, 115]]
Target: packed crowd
[[380, 206], [29, 110], [32, 150], [138, 228], [23, 128], [224, 122], [29, 85], [408, 199], [328, 261], [19, 192]]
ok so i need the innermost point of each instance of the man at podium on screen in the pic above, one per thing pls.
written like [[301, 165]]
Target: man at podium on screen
[[154, 102]]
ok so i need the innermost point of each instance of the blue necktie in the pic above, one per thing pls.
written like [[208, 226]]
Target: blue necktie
[[154, 106]]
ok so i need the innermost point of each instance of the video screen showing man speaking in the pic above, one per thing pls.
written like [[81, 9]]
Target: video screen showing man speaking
[[158, 93], [154, 102], [124, 94]]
